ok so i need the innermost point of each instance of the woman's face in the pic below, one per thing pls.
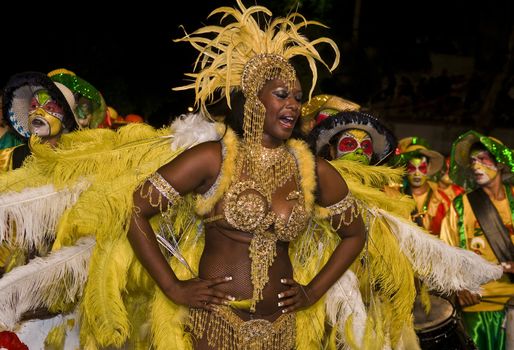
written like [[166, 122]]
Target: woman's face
[[282, 111]]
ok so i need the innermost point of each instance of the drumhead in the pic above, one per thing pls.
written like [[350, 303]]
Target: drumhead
[[441, 311]]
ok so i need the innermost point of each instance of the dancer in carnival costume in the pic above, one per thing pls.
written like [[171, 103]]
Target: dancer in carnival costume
[[258, 190], [482, 221], [253, 235]]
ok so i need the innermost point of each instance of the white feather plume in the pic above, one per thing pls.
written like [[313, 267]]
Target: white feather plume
[[440, 266], [30, 217], [37, 284], [344, 300], [191, 129]]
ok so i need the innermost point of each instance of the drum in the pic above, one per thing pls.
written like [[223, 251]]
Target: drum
[[441, 328]]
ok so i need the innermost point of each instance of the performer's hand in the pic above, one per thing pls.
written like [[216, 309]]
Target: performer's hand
[[200, 293], [508, 266], [466, 298], [294, 298]]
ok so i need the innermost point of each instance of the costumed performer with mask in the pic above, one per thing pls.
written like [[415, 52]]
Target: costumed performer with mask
[[90, 110], [351, 140], [35, 106], [481, 221]]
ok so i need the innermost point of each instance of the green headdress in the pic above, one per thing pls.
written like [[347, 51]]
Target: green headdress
[[82, 88]]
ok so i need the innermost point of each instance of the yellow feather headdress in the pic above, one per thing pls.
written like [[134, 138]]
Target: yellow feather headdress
[[241, 54]]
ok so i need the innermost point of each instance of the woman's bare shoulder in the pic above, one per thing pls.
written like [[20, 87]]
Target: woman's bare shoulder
[[331, 185], [194, 168]]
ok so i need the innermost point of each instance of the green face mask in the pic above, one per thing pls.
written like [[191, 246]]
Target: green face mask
[[356, 145]]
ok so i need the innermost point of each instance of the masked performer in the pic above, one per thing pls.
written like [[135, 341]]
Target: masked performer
[[482, 221], [35, 106], [90, 110], [421, 164]]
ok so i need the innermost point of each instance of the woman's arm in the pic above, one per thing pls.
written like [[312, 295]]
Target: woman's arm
[[194, 170], [349, 226]]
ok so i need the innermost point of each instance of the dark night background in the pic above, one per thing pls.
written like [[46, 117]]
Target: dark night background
[[445, 62]]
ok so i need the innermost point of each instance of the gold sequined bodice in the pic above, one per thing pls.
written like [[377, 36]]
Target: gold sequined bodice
[[246, 208], [247, 204]]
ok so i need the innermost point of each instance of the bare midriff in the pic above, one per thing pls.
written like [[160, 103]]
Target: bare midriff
[[226, 254]]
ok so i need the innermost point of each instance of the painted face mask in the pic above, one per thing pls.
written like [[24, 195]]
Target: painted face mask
[[355, 144], [483, 167], [45, 115], [417, 169]]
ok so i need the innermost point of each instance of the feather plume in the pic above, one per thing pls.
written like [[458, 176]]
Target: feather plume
[[440, 266], [366, 183], [191, 129], [221, 60], [43, 282], [103, 311], [344, 300], [22, 214]]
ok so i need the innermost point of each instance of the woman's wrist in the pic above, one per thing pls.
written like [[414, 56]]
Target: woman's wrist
[[170, 289], [312, 293]]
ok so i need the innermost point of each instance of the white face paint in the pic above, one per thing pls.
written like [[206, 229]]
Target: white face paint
[[39, 126], [483, 167]]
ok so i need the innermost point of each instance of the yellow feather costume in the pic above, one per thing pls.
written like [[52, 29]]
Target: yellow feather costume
[[120, 304]]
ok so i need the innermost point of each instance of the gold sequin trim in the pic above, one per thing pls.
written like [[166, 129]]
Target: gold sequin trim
[[346, 209], [226, 331], [165, 189], [263, 249]]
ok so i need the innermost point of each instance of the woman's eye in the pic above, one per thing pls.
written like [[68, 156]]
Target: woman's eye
[[281, 94]]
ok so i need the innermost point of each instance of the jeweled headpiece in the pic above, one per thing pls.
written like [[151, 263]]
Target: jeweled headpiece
[[242, 55]]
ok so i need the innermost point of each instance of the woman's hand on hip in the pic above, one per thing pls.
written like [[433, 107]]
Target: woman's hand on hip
[[199, 293], [294, 298]]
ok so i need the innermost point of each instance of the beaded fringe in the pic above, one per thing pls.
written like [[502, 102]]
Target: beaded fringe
[[226, 331]]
